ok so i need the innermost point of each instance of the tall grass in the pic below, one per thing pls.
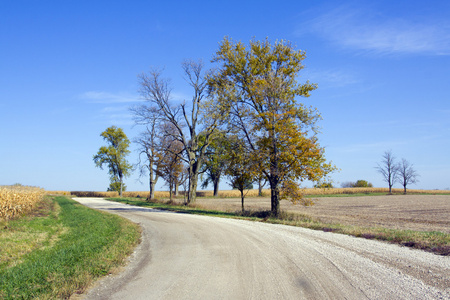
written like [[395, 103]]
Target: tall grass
[[16, 200]]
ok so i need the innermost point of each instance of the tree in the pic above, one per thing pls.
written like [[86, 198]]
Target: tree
[[239, 166], [261, 183], [186, 118], [358, 183], [388, 169], [170, 164], [362, 183], [114, 155], [348, 184], [258, 85], [148, 144], [407, 174], [214, 163], [149, 163], [323, 185], [115, 187]]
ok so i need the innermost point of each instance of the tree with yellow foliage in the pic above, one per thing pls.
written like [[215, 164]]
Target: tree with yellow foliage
[[258, 84]]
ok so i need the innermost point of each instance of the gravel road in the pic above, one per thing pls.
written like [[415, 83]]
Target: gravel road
[[196, 257]]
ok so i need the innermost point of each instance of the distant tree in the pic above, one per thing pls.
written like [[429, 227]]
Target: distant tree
[[324, 185], [261, 179], [239, 166], [115, 187], [388, 169], [358, 183], [214, 163], [348, 184], [147, 142], [114, 155], [362, 183], [407, 174], [170, 165]]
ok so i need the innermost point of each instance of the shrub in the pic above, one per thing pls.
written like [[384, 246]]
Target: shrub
[[362, 183], [358, 183], [324, 185]]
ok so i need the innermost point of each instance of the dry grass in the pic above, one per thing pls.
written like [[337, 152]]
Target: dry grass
[[17, 200], [250, 193]]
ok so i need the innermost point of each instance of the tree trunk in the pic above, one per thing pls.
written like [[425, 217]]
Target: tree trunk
[[242, 200], [192, 193], [121, 186], [216, 187], [152, 184], [260, 187], [404, 189], [176, 189], [275, 201], [274, 195]]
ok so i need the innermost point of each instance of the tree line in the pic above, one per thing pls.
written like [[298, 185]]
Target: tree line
[[244, 121]]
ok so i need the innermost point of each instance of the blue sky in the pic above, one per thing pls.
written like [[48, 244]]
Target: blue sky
[[68, 70]]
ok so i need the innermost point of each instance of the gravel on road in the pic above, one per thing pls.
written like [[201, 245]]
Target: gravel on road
[[184, 256]]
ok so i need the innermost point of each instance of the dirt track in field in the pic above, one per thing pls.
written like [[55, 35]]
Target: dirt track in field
[[412, 212]]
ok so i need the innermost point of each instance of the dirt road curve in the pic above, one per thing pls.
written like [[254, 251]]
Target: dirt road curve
[[194, 257]]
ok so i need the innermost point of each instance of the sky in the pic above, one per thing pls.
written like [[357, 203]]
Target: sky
[[68, 70]]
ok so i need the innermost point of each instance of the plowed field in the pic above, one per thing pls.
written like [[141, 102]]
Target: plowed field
[[411, 212]]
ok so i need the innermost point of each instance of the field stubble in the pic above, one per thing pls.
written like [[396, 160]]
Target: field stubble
[[404, 212]]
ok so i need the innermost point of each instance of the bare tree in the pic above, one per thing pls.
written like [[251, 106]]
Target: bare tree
[[148, 159], [407, 174], [170, 164], [147, 142], [185, 117], [389, 169]]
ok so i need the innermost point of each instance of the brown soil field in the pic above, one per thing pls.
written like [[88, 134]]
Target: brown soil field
[[407, 212]]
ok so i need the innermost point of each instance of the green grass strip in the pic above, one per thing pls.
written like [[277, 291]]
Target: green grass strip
[[92, 245]]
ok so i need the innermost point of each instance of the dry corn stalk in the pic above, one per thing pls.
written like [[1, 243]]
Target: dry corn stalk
[[17, 200]]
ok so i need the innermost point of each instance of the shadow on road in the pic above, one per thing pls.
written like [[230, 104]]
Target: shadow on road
[[136, 209]]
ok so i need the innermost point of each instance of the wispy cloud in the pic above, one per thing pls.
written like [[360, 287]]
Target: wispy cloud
[[364, 30], [105, 97], [120, 116], [332, 78]]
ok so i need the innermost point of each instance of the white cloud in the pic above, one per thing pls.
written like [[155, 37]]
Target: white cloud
[[364, 30], [332, 78], [105, 97]]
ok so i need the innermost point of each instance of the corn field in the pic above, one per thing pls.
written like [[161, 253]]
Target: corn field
[[16, 200]]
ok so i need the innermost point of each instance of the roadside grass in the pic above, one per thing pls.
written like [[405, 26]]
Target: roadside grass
[[60, 249], [431, 241]]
